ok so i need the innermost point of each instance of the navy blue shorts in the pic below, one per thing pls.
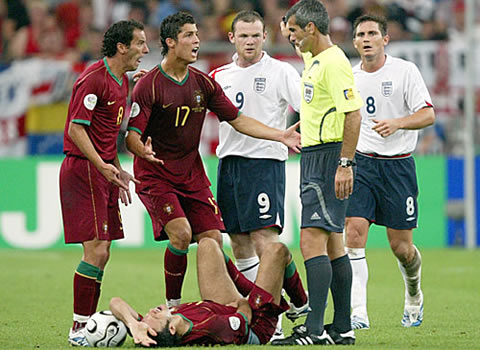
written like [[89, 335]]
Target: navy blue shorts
[[320, 206], [385, 192], [251, 193]]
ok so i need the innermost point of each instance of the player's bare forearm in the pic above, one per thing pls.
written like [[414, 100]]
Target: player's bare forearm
[[351, 131], [124, 312], [79, 136], [137, 147], [418, 120], [252, 127]]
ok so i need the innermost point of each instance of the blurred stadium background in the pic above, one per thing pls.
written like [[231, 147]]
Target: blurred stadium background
[[45, 44]]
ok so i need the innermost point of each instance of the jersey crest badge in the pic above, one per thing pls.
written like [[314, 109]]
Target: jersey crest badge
[[168, 209], [308, 92], [258, 300], [387, 88], [198, 99], [234, 322], [259, 85]]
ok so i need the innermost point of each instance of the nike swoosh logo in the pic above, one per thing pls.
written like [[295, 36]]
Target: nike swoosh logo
[[166, 106], [111, 103]]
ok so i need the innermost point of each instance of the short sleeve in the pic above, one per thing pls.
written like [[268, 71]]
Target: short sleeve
[[220, 104], [142, 102], [342, 88], [416, 93], [292, 86], [85, 99], [231, 328]]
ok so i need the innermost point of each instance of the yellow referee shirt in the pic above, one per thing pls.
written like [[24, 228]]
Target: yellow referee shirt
[[328, 93]]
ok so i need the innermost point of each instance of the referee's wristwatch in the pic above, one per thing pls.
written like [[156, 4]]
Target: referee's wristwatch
[[345, 162]]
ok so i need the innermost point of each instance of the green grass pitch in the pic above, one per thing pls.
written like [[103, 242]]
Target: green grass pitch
[[36, 297]]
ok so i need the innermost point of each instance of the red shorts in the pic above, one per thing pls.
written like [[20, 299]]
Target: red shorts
[[199, 207], [89, 203], [264, 313]]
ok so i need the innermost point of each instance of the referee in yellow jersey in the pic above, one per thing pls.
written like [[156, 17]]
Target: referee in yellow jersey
[[330, 124]]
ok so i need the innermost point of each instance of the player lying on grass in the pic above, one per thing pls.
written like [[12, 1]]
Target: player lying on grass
[[233, 310]]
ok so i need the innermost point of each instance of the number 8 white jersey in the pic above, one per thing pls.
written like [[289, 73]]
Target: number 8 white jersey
[[262, 91], [394, 91]]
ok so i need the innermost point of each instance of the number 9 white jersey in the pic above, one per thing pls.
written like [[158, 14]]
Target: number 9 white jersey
[[394, 91], [262, 91]]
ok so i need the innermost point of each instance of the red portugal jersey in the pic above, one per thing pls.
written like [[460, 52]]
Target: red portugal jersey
[[172, 114], [98, 101], [212, 323]]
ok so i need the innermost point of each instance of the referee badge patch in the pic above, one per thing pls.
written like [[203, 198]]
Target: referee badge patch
[[348, 93], [308, 92], [387, 88], [259, 85]]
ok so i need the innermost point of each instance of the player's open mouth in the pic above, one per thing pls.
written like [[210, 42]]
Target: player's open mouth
[[195, 50], [367, 47]]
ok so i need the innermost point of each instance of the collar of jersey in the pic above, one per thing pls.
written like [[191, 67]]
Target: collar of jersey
[[119, 81], [170, 78]]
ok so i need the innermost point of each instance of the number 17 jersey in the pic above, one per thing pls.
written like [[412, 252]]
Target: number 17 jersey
[[172, 114]]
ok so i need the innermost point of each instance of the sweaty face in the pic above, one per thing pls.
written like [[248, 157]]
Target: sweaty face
[[298, 36], [157, 317], [187, 43], [369, 41], [138, 48], [248, 39]]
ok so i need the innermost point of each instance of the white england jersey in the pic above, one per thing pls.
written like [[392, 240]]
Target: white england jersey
[[262, 91], [394, 91]]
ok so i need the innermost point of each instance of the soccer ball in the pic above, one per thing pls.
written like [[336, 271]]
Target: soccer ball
[[105, 330]]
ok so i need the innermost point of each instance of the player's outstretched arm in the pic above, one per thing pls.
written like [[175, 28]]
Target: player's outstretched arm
[[252, 127], [139, 330], [80, 137], [137, 147]]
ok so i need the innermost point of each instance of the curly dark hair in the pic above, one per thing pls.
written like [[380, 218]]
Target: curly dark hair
[[165, 339], [119, 32], [171, 26]]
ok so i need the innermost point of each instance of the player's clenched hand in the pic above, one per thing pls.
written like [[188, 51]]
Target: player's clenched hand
[[291, 138], [148, 152], [125, 195], [140, 332], [343, 182], [385, 127]]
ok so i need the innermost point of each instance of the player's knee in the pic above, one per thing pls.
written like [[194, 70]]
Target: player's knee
[[181, 238], [279, 250], [207, 244], [355, 237]]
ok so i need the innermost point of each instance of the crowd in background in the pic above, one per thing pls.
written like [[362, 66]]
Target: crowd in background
[[73, 29]]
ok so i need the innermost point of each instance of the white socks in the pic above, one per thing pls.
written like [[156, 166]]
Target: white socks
[[249, 267], [359, 282]]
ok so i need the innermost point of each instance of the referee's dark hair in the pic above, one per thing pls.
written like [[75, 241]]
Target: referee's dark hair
[[119, 32]]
